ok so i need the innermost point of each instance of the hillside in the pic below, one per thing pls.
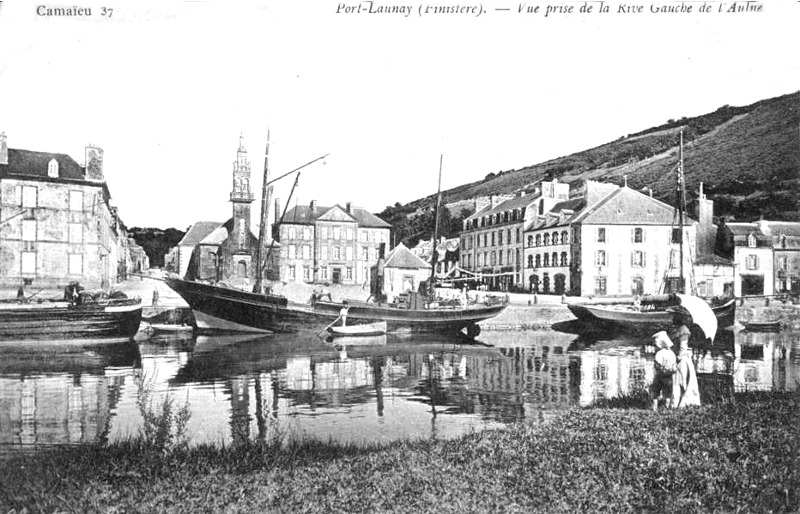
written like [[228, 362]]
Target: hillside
[[748, 159]]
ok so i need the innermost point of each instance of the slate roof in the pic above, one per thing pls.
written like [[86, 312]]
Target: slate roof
[[576, 205], [713, 259], [519, 202], [197, 232], [26, 162], [626, 206], [401, 257], [304, 215]]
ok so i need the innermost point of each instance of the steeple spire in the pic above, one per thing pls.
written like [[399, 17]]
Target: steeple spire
[[241, 143]]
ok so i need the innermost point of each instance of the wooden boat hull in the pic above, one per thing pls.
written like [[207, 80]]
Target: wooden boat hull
[[367, 329], [218, 308], [658, 318], [117, 319]]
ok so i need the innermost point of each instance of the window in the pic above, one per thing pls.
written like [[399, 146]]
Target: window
[[500, 257], [600, 285], [348, 273], [52, 168], [492, 238], [538, 261], [546, 260], [752, 262], [292, 233], [75, 233], [337, 232], [538, 240], [751, 241], [323, 252], [530, 261], [600, 258], [494, 258], [349, 232], [508, 236], [29, 262], [76, 201], [499, 237], [782, 263], [29, 196], [510, 257], [601, 235], [292, 273], [306, 233], [638, 235], [292, 252], [564, 237], [519, 233], [555, 238], [676, 235], [485, 239], [75, 264], [336, 253], [637, 259], [364, 253], [306, 273], [479, 260], [554, 258], [564, 261], [323, 273], [547, 239], [306, 252], [29, 230]]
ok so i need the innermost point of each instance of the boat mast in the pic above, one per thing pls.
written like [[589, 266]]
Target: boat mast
[[266, 194], [681, 193], [434, 253]]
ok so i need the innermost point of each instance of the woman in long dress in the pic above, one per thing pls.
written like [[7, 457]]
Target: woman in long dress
[[685, 386]]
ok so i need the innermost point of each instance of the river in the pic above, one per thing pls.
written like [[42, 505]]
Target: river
[[288, 388]]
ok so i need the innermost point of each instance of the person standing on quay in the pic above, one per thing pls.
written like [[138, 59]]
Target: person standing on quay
[[686, 390], [665, 367]]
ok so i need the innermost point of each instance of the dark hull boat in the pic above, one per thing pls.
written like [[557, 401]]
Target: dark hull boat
[[59, 321], [652, 316], [220, 308]]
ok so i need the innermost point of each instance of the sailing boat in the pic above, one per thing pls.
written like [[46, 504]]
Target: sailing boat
[[221, 308], [652, 312]]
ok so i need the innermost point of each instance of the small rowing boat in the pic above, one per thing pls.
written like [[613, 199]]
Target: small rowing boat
[[366, 329], [763, 326]]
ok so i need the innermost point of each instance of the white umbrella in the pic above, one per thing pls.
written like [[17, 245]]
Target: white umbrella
[[701, 314]]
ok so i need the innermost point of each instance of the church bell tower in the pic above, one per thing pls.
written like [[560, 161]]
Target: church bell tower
[[241, 198]]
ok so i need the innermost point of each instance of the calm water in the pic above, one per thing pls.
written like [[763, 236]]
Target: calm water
[[243, 388]]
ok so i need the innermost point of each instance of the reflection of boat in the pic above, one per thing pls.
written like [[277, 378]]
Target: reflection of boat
[[93, 319], [92, 357], [763, 326], [360, 340], [366, 329]]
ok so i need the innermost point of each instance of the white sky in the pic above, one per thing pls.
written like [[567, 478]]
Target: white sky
[[165, 88]]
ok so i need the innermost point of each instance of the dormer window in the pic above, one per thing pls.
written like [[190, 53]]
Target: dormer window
[[751, 240], [783, 241], [52, 168]]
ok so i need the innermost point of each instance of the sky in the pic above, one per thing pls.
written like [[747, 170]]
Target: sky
[[167, 88]]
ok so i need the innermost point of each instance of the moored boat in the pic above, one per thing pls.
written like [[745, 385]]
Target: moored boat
[[763, 326], [112, 319]]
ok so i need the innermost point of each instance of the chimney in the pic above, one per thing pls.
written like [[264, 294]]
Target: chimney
[[313, 206], [3, 149], [520, 194], [706, 233], [278, 211], [349, 207]]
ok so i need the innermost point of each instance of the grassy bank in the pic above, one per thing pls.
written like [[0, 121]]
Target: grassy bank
[[724, 458]]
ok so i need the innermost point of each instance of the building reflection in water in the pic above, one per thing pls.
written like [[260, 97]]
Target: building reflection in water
[[288, 388], [53, 397]]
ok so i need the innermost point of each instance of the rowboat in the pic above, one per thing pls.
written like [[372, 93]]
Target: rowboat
[[367, 329]]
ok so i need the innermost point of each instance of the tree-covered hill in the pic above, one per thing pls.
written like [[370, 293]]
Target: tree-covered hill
[[748, 159]]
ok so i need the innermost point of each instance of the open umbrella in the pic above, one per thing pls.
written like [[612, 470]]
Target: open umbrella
[[701, 314]]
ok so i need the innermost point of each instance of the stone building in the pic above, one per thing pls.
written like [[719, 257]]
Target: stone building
[[57, 224], [766, 256], [492, 244], [403, 272], [337, 245], [226, 252]]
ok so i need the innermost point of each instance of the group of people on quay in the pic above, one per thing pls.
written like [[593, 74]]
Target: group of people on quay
[[675, 377]]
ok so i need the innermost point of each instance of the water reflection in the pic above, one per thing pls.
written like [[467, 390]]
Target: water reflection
[[241, 388]]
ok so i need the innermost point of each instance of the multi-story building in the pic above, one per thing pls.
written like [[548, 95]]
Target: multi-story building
[[335, 244], [766, 256], [56, 222], [492, 239], [629, 243]]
